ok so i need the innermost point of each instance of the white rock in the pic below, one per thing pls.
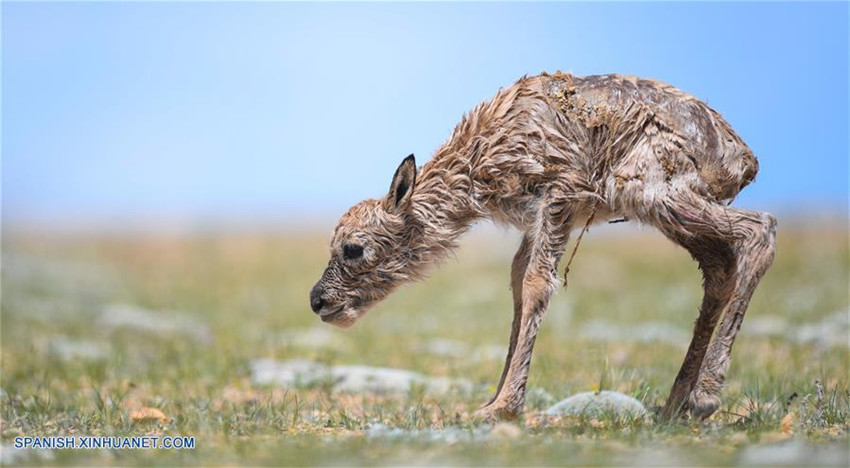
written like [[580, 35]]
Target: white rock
[[69, 349], [354, 379], [599, 404], [349, 379], [129, 316], [293, 373]]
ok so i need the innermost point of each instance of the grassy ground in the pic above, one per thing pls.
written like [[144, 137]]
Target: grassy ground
[[93, 329]]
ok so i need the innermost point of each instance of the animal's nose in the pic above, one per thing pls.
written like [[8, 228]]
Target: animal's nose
[[316, 299]]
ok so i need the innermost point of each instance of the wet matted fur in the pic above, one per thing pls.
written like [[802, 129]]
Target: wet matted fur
[[545, 155]]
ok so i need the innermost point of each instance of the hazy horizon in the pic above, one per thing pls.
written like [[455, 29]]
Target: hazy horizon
[[195, 114]]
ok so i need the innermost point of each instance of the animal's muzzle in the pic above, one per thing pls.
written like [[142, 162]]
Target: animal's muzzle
[[317, 301]]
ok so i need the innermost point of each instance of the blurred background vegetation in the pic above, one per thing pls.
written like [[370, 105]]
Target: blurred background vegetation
[[172, 172], [95, 329]]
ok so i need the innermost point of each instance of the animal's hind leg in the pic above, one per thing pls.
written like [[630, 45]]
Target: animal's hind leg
[[717, 262], [756, 250], [734, 249]]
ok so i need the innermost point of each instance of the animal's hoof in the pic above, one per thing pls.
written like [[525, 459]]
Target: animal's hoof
[[703, 404], [494, 413]]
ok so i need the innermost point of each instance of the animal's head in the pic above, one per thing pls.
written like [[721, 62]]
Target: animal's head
[[371, 253]]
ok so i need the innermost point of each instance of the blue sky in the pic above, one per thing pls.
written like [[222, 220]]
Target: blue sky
[[113, 111]]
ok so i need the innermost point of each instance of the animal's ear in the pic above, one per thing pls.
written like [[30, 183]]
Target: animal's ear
[[402, 186]]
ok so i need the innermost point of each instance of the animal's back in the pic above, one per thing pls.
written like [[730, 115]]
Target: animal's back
[[590, 138], [631, 108]]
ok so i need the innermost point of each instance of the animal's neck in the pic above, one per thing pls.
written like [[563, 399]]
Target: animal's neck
[[442, 204]]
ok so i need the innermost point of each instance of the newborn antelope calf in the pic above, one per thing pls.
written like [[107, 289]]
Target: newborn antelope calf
[[546, 155]]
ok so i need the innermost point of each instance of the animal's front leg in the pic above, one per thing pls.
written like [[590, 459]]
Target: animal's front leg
[[539, 280], [518, 268]]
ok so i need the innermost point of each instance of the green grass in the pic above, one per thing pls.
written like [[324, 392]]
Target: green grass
[[241, 297]]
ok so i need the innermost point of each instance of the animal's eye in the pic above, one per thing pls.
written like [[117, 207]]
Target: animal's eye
[[352, 251]]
